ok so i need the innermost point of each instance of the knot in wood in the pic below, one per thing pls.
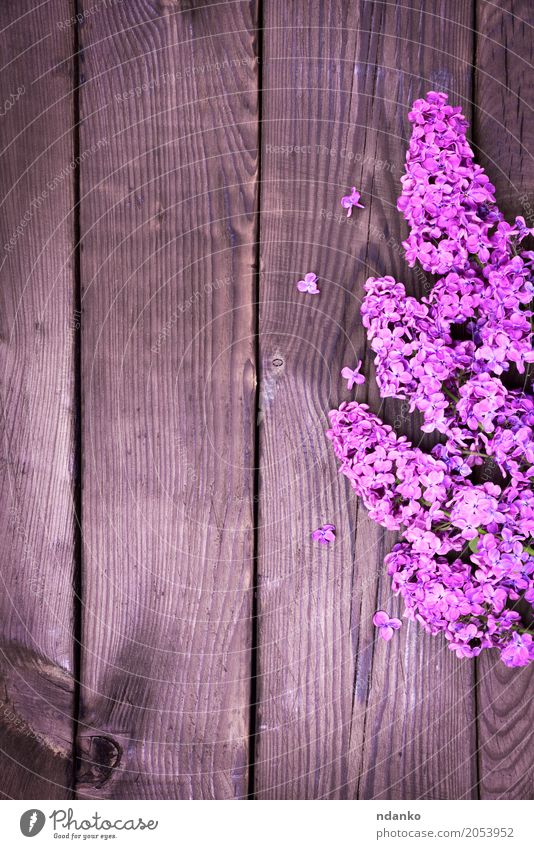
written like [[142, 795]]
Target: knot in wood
[[98, 756]]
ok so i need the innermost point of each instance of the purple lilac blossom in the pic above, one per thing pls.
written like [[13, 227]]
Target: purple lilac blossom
[[325, 534], [309, 284], [465, 550], [352, 200], [352, 375], [386, 626], [466, 555]]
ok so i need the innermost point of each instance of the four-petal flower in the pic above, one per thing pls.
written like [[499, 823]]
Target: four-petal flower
[[352, 375], [352, 200], [309, 284], [386, 625]]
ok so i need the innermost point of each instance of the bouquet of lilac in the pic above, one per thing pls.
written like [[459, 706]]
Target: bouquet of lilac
[[466, 511]]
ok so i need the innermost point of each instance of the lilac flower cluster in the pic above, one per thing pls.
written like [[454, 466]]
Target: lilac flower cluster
[[466, 556]]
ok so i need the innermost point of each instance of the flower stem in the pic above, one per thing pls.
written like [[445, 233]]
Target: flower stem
[[450, 394]]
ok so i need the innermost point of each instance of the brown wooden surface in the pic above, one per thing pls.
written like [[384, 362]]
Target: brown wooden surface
[[37, 404], [203, 411], [167, 229], [504, 134], [339, 714]]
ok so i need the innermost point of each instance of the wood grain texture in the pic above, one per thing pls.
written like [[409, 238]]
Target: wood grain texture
[[36, 343], [504, 134], [339, 715], [167, 158], [168, 230]]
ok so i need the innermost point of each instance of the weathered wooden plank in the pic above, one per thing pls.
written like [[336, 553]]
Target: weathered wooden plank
[[168, 232], [340, 715], [36, 339], [504, 134]]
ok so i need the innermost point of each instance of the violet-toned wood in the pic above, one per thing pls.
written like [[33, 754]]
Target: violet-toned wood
[[504, 134], [37, 321], [167, 156], [168, 244], [340, 713]]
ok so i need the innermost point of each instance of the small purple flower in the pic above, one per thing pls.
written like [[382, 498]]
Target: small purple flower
[[352, 375], [521, 228], [325, 534], [519, 651], [386, 626], [309, 284], [349, 201]]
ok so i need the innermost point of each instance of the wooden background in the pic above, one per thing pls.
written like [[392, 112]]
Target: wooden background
[[169, 169]]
